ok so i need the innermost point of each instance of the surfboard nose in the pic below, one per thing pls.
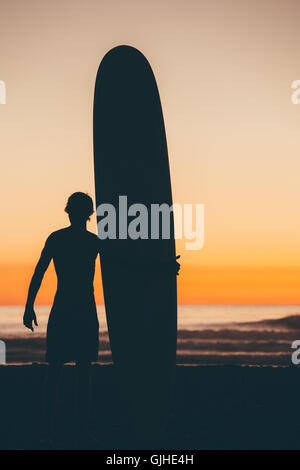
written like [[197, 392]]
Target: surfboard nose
[[123, 50], [124, 59]]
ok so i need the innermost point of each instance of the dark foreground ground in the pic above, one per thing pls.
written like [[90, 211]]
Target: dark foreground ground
[[215, 407]]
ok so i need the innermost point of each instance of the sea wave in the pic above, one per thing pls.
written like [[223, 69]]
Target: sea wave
[[257, 343]]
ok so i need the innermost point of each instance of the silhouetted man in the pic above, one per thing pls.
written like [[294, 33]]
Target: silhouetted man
[[73, 328]]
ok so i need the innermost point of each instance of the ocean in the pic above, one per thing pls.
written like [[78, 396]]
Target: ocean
[[207, 334]]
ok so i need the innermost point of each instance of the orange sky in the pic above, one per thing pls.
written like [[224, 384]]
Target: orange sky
[[224, 70]]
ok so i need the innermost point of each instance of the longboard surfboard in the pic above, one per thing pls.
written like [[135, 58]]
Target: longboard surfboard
[[131, 159]]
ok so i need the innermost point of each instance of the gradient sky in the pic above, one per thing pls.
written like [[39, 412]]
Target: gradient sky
[[224, 70]]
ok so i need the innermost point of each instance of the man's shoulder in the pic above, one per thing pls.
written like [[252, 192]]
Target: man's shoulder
[[92, 235], [65, 235], [57, 234], [93, 238]]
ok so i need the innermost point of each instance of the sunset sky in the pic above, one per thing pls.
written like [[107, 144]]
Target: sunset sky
[[224, 69]]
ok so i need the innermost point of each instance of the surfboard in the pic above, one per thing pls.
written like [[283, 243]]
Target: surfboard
[[131, 160]]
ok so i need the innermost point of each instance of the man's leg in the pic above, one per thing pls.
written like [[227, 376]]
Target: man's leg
[[50, 397], [84, 395]]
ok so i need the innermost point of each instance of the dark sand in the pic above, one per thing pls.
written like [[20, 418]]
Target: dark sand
[[215, 407]]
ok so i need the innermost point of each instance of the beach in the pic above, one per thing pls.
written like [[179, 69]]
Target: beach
[[235, 385], [214, 407]]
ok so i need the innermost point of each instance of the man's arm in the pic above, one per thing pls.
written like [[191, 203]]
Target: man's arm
[[40, 269], [167, 266]]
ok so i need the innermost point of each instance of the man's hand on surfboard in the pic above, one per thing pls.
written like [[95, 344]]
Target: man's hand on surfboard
[[177, 265], [29, 318]]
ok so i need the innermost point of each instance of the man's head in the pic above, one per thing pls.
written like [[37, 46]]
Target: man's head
[[79, 207]]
